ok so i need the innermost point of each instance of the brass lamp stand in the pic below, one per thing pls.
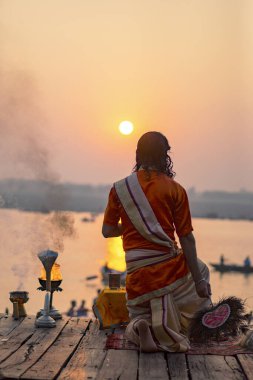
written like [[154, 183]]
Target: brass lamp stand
[[47, 258]]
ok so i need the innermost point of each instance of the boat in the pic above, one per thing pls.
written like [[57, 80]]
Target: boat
[[88, 219], [226, 268]]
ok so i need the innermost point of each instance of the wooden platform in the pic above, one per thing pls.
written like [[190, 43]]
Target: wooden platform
[[75, 350]]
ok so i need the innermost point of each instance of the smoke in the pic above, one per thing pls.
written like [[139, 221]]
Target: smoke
[[26, 152], [62, 226], [20, 271], [24, 147]]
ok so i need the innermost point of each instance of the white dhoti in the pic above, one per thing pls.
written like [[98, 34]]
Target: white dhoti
[[169, 316]]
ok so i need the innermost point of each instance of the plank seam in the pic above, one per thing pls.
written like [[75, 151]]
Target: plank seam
[[21, 344], [18, 324], [241, 366], [22, 374], [75, 349], [138, 366], [188, 368]]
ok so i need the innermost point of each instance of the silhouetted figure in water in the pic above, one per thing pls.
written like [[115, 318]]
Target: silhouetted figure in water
[[72, 311], [247, 262], [82, 311], [222, 260]]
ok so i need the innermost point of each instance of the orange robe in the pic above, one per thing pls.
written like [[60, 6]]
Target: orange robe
[[169, 202], [159, 286]]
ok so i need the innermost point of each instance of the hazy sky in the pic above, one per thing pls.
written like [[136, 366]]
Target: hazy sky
[[71, 70]]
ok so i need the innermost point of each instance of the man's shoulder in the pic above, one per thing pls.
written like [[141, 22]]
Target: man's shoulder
[[131, 177], [176, 184], [170, 181]]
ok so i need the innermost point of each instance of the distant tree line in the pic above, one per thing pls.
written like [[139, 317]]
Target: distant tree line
[[41, 196]]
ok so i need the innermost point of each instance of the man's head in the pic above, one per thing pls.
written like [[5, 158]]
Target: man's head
[[152, 153]]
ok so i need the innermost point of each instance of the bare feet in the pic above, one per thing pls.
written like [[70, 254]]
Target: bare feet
[[147, 343]]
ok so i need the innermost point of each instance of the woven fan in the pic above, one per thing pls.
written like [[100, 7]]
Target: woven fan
[[218, 322]]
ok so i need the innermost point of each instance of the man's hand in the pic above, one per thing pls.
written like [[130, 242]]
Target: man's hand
[[189, 248], [203, 289]]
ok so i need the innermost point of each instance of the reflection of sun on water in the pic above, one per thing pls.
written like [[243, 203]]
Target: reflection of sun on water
[[115, 254]]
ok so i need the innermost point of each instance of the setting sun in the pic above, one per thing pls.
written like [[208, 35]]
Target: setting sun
[[126, 127]]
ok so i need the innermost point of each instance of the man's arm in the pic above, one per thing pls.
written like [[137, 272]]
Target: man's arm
[[189, 248], [111, 231]]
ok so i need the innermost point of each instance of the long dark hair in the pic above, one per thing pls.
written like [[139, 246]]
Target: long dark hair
[[152, 154]]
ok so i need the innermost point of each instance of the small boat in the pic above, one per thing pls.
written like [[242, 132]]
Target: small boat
[[93, 277], [91, 218], [225, 268], [87, 219]]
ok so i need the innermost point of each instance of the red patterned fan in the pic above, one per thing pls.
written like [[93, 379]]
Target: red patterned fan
[[219, 322]]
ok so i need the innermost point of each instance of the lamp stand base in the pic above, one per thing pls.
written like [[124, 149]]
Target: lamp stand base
[[45, 321]]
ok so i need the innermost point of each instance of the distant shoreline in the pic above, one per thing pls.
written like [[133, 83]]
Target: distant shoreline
[[99, 213], [44, 197]]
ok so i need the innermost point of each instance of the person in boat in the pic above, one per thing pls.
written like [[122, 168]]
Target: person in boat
[[165, 285], [247, 262], [72, 310], [82, 311], [222, 260]]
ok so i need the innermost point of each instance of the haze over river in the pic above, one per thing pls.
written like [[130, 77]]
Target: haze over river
[[84, 254]]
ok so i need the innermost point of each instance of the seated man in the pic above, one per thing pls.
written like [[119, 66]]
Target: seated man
[[165, 285]]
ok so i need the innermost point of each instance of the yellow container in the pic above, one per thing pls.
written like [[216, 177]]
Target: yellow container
[[110, 308]]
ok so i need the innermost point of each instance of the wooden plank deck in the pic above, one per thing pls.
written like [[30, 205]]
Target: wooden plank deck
[[74, 350]]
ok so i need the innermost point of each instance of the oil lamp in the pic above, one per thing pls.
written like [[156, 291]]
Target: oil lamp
[[18, 298], [56, 279], [47, 258]]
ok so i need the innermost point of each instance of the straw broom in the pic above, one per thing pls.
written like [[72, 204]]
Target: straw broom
[[218, 322]]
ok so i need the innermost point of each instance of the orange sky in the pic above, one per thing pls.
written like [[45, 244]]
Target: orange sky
[[76, 68]]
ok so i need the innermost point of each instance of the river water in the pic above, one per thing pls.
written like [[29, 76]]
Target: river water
[[83, 255]]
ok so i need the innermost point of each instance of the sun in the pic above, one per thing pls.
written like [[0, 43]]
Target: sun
[[126, 127]]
